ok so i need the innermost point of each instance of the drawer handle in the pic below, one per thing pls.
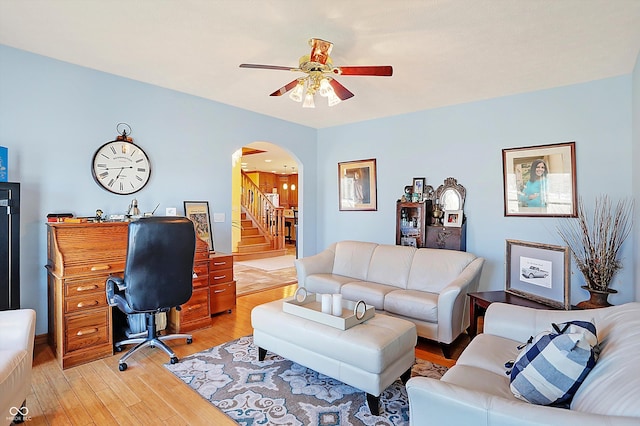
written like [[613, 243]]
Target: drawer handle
[[101, 267], [219, 277], [219, 291], [87, 331], [86, 287], [83, 304], [192, 307], [219, 263]]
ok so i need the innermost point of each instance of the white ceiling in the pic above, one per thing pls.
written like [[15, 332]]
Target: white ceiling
[[443, 52]]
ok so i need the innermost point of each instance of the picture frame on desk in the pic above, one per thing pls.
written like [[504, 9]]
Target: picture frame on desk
[[453, 218], [539, 272], [198, 212]]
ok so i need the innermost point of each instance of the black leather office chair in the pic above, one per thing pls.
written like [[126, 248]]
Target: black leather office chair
[[157, 277]]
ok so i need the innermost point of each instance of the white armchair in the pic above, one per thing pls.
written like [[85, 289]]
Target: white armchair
[[17, 332]]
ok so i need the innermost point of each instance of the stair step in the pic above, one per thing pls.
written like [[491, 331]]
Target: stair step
[[252, 239], [249, 231], [252, 248], [237, 257]]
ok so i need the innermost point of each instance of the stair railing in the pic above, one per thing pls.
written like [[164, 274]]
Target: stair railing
[[268, 218]]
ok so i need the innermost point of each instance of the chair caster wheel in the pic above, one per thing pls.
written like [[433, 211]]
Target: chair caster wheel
[[174, 360], [189, 341], [118, 348], [122, 366]]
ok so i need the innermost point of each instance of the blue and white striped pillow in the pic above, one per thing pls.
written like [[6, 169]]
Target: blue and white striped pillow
[[550, 369]]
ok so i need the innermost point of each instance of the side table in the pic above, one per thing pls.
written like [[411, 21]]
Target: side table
[[479, 302]]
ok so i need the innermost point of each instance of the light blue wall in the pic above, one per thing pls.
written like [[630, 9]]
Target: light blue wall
[[466, 142], [53, 117]]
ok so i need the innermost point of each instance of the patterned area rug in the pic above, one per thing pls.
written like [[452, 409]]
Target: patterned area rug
[[280, 392]]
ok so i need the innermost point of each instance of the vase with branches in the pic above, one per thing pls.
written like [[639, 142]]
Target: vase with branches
[[595, 241]]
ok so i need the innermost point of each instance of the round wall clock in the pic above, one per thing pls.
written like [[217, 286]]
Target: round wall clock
[[121, 167]]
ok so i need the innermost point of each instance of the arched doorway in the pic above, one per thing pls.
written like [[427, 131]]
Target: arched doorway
[[265, 178]]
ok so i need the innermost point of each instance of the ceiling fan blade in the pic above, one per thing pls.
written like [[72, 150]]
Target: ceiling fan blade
[[267, 67], [342, 92], [284, 89], [320, 50], [380, 70]]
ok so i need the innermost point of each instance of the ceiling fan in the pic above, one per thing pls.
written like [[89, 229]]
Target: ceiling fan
[[320, 75]]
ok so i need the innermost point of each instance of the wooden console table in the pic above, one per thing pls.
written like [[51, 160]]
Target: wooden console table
[[479, 302]]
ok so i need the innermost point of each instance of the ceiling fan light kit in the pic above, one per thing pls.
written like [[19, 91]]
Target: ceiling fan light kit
[[319, 67]]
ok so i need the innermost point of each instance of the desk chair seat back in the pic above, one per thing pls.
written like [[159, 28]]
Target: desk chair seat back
[[159, 269]]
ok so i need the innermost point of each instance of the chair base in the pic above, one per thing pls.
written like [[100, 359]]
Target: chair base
[[151, 339]]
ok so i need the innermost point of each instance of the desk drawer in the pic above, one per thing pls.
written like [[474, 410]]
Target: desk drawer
[[90, 286], [197, 307], [223, 297], [84, 302], [86, 330], [220, 276], [220, 262]]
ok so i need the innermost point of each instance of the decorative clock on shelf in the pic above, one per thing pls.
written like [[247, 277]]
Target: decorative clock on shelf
[[120, 166]]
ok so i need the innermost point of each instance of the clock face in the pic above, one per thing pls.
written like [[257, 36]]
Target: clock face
[[121, 167]]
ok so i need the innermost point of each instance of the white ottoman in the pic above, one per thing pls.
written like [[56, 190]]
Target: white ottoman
[[369, 356]]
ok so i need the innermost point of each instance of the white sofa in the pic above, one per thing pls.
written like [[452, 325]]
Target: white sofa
[[425, 286], [17, 332], [476, 390]]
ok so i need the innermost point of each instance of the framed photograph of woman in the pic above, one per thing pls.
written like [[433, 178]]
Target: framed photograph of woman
[[540, 180], [198, 212], [357, 187]]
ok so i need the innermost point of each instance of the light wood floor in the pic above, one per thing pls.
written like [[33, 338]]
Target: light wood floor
[[146, 393]]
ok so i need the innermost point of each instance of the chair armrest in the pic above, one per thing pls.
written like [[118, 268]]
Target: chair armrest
[[112, 284], [453, 315], [321, 263], [435, 402]]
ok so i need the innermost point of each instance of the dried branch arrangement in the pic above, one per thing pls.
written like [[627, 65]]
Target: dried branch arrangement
[[595, 241]]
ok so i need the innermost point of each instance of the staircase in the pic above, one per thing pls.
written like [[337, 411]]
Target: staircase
[[262, 225]]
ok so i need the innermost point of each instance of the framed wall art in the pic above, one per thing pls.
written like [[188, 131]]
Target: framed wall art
[[540, 180], [357, 185], [198, 212], [539, 272]]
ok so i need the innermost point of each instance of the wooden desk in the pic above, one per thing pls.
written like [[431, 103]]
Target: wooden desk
[[80, 257], [479, 302]]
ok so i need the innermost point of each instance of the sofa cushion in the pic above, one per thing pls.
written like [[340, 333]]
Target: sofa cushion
[[489, 352], [390, 265], [352, 259], [434, 269], [372, 293], [611, 388], [553, 365], [480, 380], [326, 283], [413, 304]]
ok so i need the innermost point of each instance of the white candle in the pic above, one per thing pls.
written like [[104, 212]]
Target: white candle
[[326, 303], [337, 305]]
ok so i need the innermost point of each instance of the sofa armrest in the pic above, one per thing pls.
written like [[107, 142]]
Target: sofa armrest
[[435, 402], [453, 315], [519, 322], [17, 329], [321, 263]]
